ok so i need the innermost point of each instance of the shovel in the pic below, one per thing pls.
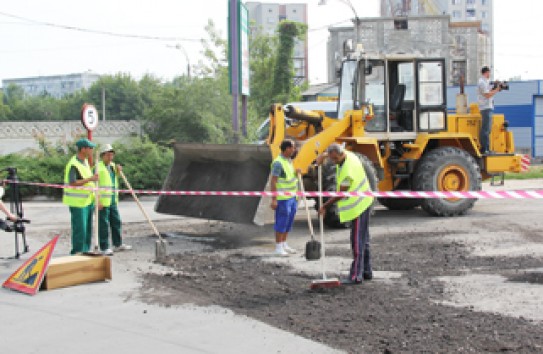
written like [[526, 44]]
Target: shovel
[[312, 247], [325, 282], [160, 247]]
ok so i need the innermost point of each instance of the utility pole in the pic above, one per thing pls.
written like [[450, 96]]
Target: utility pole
[[103, 103], [356, 18]]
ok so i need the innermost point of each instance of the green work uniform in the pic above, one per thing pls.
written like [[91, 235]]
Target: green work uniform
[[81, 205], [108, 216]]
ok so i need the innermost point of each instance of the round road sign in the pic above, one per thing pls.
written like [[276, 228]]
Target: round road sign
[[89, 117]]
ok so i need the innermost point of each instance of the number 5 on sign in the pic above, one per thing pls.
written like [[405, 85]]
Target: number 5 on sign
[[89, 117]]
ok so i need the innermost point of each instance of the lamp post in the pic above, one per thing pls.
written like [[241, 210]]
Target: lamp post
[[351, 6], [181, 48]]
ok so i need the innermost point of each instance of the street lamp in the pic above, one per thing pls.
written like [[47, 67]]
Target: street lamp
[[181, 48], [351, 6]]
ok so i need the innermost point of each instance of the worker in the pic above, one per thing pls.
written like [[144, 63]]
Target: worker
[[81, 201], [108, 215], [485, 94], [283, 179], [351, 177]]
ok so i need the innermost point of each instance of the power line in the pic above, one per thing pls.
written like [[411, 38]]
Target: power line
[[101, 32], [328, 26]]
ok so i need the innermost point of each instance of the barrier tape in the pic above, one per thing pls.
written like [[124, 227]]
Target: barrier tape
[[515, 194], [525, 163]]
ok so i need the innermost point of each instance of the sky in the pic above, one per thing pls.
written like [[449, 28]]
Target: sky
[[32, 49]]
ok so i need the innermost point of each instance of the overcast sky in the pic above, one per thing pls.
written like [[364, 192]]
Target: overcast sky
[[32, 49]]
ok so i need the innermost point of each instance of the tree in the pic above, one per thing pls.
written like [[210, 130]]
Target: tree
[[124, 99], [283, 84], [262, 53], [12, 94]]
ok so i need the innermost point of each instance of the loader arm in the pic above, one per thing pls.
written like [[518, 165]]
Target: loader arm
[[352, 124]]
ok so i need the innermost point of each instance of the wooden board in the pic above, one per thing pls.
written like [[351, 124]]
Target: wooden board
[[75, 270]]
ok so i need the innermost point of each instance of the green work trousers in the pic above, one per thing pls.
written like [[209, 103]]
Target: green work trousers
[[81, 228], [109, 218]]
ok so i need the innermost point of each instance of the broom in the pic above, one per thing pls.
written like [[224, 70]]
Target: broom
[[160, 246], [324, 283]]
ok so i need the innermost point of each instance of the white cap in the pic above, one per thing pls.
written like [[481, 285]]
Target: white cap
[[106, 148]]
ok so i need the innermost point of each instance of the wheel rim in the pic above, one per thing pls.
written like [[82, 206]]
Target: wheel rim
[[453, 178]]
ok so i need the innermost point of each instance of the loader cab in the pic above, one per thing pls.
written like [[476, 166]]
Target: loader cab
[[407, 94]]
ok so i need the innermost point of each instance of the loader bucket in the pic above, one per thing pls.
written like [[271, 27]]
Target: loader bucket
[[201, 167]]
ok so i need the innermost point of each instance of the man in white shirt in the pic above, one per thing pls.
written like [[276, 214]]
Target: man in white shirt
[[485, 94]]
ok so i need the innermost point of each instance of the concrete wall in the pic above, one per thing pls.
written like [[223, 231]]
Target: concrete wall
[[21, 136]]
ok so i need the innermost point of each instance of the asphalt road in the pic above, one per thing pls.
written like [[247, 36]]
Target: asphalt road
[[113, 316]]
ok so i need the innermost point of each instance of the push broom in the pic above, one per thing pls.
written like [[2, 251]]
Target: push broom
[[324, 283], [160, 246]]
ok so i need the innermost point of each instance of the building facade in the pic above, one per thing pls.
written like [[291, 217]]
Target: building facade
[[459, 10], [461, 44], [264, 18], [56, 86]]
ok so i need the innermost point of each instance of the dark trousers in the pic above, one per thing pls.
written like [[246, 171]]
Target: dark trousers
[[360, 244], [109, 218], [81, 228], [486, 127]]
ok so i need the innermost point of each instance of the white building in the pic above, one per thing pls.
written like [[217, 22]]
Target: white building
[[265, 17], [55, 86]]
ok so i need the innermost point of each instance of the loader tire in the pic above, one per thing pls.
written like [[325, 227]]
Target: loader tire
[[331, 218], [401, 203], [447, 169]]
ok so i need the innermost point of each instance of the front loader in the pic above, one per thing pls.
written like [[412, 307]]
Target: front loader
[[393, 115]]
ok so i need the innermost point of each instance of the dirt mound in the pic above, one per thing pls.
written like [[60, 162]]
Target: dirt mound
[[376, 316]]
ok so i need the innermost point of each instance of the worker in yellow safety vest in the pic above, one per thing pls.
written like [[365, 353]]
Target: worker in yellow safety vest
[[283, 179], [351, 177], [108, 216], [81, 201]]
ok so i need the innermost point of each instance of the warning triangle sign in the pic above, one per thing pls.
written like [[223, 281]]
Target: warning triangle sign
[[28, 277]]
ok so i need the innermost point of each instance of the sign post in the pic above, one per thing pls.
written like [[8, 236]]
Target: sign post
[[238, 58]]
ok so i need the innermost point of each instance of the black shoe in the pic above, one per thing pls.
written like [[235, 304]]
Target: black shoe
[[349, 281], [367, 276]]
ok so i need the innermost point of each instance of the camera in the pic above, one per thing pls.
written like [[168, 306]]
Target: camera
[[503, 85]]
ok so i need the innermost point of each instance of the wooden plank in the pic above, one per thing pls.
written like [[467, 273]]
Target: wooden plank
[[75, 270]]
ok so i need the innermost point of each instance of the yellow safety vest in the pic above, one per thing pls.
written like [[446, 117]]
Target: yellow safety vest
[[78, 198], [350, 208], [290, 182], [104, 181]]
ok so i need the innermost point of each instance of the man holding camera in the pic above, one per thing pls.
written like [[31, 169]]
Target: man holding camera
[[485, 93]]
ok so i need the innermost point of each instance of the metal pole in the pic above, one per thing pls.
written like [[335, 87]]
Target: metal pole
[[244, 115], [103, 103], [234, 57]]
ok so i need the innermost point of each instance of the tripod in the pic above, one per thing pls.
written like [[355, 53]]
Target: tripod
[[16, 207]]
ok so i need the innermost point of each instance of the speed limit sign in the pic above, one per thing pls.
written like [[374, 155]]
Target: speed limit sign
[[89, 117]]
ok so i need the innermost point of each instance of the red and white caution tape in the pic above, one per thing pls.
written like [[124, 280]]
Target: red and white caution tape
[[518, 194], [525, 163]]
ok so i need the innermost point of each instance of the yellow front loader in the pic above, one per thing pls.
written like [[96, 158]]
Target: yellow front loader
[[392, 113]]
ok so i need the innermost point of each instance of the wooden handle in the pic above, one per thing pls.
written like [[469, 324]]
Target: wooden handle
[[95, 242], [306, 206], [140, 206]]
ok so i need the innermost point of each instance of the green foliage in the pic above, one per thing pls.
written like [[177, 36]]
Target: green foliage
[[145, 165], [196, 109], [288, 31], [535, 172]]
